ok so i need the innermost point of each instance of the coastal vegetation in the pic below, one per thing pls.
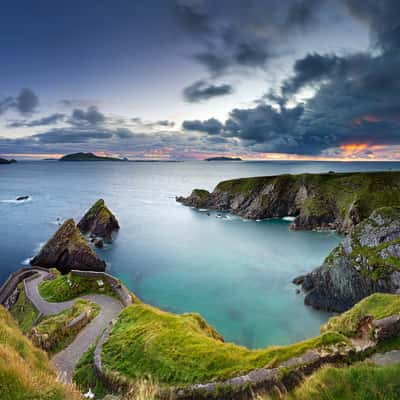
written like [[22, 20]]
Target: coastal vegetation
[[376, 306], [184, 349], [25, 371], [55, 332], [361, 381], [70, 286], [23, 311]]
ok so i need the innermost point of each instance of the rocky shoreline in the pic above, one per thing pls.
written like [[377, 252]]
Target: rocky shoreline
[[362, 205]]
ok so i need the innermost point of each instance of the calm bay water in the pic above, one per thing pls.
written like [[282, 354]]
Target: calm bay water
[[235, 273]]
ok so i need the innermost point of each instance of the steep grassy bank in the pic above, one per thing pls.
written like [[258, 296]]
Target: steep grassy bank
[[25, 372], [184, 349]]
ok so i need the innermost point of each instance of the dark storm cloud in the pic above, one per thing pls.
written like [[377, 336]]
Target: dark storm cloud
[[242, 34], [92, 116], [202, 90], [49, 120], [211, 126], [26, 102], [382, 18]]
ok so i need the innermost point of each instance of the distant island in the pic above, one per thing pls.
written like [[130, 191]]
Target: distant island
[[4, 161], [87, 157], [223, 159]]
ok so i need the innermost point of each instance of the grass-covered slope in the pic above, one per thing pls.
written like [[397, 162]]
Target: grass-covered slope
[[377, 306], [184, 349], [23, 311], [68, 287], [25, 372], [335, 200], [358, 382]]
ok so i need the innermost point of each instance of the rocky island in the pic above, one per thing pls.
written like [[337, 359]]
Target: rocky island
[[87, 157], [5, 161], [67, 250], [99, 221], [223, 159], [336, 201]]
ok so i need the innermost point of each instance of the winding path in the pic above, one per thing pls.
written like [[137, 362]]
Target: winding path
[[66, 360]]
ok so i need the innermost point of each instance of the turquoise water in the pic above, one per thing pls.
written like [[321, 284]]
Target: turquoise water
[[236, 273]]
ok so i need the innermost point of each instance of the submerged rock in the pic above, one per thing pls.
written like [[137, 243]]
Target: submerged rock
[[332, 201], [68, 250], [99, 221], [365, 262]]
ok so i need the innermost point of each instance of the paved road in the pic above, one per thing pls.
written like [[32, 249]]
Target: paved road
[[66, 360]]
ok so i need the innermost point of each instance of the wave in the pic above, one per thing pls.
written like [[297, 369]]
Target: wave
[[14, 201], [289, 219]]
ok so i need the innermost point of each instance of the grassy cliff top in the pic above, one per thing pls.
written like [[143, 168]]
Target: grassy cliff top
[[377, 306], [99, 210], [25, 371], [184, 349]]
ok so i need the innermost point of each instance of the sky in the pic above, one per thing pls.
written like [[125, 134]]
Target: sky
[[189, 79]]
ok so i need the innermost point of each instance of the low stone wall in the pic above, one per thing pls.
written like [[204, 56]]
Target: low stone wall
[[277, 380], [116, 285], [9, 286]]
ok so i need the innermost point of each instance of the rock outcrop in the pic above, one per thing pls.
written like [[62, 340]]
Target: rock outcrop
[[365, 262], [99, 221], [317, 201], [5, 161], [67, 250]]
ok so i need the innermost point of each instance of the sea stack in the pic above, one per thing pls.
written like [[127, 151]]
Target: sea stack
[[68, 250], [99, 221]]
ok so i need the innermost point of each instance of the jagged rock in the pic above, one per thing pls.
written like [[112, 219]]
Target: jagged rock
[[99, 243], [68, 250], [336, 201], [367, 261], [99, 221]]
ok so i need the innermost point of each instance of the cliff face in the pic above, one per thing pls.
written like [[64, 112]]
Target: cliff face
[[99, 221], [318, 201], [68, 250], [367, 261]]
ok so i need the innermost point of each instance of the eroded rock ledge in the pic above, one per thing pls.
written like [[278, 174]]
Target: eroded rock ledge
[[365, 262], [67, 250], [318, 201]]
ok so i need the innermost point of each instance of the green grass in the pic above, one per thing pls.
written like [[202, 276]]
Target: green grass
[[361, 381], [25, 371], [183, 349], [58, 289], [377, 306], [85, 375], [55, 325], [23, 311]]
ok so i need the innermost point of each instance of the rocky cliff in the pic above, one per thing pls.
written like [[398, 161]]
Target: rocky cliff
[[68, 250], [317, 201], [365, 262], [99, 221]]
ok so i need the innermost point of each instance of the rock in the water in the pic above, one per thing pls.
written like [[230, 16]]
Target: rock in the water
[[99, 221], [99, 243], [19, 198], [68, 250], [367, 261]]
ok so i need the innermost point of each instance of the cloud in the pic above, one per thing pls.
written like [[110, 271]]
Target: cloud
[[92, 116], [26, 102], [211, 126], [202, 90], [232, 35], [49, 120]]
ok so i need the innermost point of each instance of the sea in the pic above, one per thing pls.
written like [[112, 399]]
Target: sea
[[236, 273]]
